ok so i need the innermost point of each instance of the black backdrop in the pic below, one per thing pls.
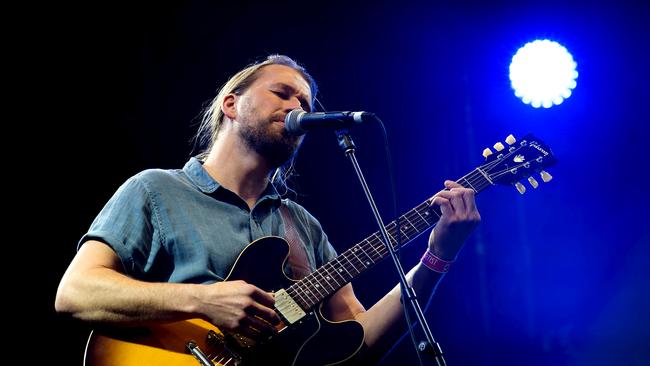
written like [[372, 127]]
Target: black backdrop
[[557, 277]]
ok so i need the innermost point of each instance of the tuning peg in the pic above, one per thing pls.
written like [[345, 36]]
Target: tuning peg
[[487, 152], [510, 139], [520, 187], [498, 146], [533, 182], [545, 176]]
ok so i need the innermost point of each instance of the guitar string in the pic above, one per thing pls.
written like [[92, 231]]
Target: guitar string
[[300, 287], [479, 183], [391, 228], [376, 244], [329, 266], [220, 361]]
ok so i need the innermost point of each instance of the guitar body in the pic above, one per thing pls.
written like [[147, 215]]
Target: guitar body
[[313, 340]]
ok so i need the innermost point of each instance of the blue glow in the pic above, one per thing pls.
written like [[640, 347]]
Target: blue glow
[[543, 73]]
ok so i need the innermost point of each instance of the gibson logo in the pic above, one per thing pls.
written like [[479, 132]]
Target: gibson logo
[[538, 148]]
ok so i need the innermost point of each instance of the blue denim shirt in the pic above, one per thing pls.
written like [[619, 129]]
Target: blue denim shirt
[[182, 226]]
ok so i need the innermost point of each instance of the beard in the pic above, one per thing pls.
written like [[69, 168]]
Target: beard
[[276, 148]]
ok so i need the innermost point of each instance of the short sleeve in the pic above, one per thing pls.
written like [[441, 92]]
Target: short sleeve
[[127, 224]]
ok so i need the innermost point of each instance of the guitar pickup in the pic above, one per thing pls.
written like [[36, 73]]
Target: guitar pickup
[[288, 307]]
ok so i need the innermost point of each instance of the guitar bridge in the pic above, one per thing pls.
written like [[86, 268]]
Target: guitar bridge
[[227, 355], [214, 341], [194, 349]]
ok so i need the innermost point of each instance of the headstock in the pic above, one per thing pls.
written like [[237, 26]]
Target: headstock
[[518, 160]]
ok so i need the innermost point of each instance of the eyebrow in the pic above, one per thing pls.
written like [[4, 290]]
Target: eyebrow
[[293, 90]]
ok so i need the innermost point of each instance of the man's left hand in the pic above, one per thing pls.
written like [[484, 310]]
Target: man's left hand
[[459, 218]]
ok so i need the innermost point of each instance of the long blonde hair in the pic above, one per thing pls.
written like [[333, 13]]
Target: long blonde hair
[[212, 117]]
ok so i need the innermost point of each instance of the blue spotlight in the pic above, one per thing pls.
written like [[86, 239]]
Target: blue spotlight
[[543, 73]]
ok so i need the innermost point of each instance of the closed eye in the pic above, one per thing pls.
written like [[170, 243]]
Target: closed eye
[[280, 94], [286, 96]]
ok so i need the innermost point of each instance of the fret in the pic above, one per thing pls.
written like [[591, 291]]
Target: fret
[[326, 280], [422, 217], [477, 180], [404, 228], [318, 288], [469, 184], [412, 224], [359, 259], [296, 288], [407, 219], [336, 273], [390, 238], [381, 246], [329, 275], [345, 255], [342, 268], [310, 296], [336, 270], [428, 213], [370, 260], [408, 222], [405, 234], [422, 222], [373, 247], [313, 286]]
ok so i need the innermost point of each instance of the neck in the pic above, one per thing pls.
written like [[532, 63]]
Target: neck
[[237, 168]]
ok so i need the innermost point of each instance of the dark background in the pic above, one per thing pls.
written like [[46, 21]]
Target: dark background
[[558, 276]]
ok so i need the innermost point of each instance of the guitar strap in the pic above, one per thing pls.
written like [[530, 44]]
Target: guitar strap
[[297, 255]]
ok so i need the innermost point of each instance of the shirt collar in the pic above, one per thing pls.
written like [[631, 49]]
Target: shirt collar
[[203, 181]]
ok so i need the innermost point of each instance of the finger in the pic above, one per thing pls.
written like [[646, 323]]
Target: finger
[[468, 203], [267, 314], [263, 297], [249, 332], [444, 204], [454, 198], [449, 184], [259, 326], [458, 202], [469, 199], [264, 305]]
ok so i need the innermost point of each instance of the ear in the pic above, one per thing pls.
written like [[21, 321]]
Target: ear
[[228, 106]]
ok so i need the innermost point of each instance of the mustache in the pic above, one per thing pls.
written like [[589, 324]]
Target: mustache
[[280, 116]]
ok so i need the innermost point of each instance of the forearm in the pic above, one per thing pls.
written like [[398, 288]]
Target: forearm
[[384, 321], [102, 295], [94, 289]]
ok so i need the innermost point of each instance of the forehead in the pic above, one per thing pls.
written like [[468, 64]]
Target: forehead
[[274, 74]]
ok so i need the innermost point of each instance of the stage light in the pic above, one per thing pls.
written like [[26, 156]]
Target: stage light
[[543, 73]]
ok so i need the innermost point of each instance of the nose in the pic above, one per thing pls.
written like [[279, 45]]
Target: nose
[[293, 103]]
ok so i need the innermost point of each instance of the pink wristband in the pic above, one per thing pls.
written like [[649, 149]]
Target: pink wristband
[[434, 263]]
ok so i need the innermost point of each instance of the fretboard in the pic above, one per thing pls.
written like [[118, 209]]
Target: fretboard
[[333, 275]]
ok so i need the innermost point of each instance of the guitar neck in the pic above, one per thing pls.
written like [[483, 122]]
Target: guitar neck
[[333, 275]]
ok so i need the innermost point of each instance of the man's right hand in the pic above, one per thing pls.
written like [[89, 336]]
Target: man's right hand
[[95, 289], [240, 307]]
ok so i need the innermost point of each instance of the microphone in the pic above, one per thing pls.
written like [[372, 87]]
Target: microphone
[[298, 122]]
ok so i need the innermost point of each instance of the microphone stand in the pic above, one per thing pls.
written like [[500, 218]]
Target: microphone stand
[[428, 347]]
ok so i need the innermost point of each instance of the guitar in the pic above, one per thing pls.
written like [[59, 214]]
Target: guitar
[[305, 335]]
